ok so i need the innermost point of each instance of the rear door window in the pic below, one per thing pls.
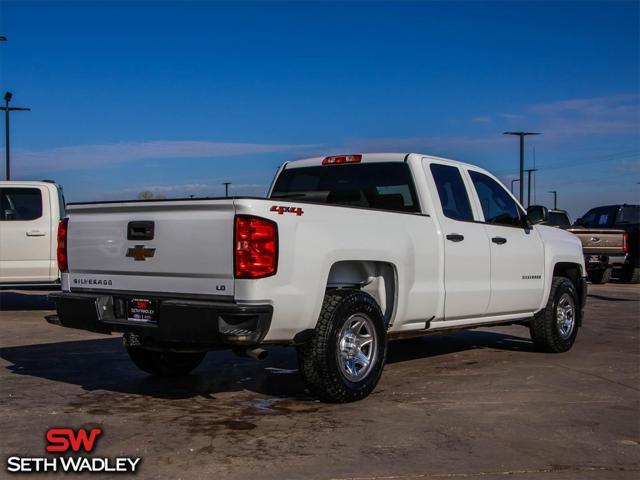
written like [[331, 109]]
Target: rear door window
[[383, 186], [452, 192], [20, 204]]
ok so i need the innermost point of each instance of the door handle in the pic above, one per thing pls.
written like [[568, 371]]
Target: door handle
[[499, 240], [455, 237], [35, 233]]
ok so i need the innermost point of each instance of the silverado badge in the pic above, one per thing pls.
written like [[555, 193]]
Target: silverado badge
[[140, 252]]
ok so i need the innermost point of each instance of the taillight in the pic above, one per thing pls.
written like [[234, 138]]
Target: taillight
[[256, 247], [342, 159], [63, 227], [625, 242]]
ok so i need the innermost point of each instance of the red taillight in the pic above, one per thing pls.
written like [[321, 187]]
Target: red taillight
[[63, 227], [342, 159], [625, 242], [256, 247]]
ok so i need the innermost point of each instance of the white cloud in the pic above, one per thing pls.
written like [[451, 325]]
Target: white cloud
[[106, 155], [608, 114]]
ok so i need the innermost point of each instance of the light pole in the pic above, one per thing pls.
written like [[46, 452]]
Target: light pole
[[226, 189], [521, 135], [7, 109], [555, 198], [514, 181], [529, 170]]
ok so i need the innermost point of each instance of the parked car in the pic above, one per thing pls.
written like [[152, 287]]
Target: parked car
[[625, 218], [558, 218], [603, 249], [345, 253], [29, 216]]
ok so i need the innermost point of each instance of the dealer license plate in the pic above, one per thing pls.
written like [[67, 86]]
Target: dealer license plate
[[142, 310]]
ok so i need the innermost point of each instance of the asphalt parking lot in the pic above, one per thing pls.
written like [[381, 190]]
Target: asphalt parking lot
[[477, 404]]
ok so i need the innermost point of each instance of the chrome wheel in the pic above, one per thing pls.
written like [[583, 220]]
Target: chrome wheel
[[565, 316], [357, 347]]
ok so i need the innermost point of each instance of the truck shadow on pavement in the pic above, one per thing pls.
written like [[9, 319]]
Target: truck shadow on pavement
[[103, 364], [11, 300]]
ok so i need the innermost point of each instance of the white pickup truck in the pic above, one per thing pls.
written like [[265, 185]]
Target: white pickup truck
[[29, 216], [345, 253]]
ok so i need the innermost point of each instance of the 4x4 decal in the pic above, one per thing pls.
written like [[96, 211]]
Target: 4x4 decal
[[281, 210]]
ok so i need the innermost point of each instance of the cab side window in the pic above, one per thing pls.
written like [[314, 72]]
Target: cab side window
[[497, 205], [20, 204], [452, 192]]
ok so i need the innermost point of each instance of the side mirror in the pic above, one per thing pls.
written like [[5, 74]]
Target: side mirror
[[537, 214], [579, 221]]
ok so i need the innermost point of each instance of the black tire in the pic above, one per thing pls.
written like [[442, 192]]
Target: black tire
[[545, 330], [600, 277], [165, 364], [630, 274], [318, 357]]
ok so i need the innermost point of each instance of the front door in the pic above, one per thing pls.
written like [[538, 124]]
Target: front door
[[25, 235], [466, 247], [517, 255]]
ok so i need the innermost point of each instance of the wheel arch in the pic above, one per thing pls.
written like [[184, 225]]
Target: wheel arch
[[377, 278]]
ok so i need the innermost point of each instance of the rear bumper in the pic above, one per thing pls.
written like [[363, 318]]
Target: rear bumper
[[180, 322], [600, 262]]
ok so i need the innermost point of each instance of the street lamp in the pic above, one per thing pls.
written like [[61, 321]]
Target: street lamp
[[514, 181], [7, 109], [555, 198], [226, 189], [529, 170], [521, 135]]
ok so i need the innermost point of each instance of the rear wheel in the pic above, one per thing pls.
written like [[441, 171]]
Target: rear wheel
[[600, 276], [165, 364], [630, 274], [555, 327], [344, 359]]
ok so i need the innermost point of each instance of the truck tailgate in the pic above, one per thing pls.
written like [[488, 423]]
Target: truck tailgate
[[600, 241], [190, 249]]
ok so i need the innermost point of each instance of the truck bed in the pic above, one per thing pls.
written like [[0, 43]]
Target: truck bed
[[600, 241]]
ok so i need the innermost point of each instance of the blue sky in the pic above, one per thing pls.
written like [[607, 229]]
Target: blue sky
[[179, 97]]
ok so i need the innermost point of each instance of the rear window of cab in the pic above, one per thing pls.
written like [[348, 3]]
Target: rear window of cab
[[382, 186]]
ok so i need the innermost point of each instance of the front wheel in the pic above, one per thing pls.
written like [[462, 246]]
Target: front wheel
[[165, 364], [555, 327], [344, 359]]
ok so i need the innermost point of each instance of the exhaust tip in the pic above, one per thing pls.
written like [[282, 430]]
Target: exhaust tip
[[255, 353]]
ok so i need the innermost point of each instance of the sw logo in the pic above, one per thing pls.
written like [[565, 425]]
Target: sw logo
[[61, 439], [281, 210], [68, 440]]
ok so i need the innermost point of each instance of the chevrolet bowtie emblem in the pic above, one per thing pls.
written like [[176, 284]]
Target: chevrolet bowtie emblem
[[140, 252]]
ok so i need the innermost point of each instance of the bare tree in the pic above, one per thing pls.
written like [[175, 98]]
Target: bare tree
[[149, 195]]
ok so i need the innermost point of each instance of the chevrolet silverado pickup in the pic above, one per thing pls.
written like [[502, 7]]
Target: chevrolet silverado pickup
[[344, 254]]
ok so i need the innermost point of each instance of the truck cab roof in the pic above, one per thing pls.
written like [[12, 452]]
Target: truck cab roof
[[372, 158]]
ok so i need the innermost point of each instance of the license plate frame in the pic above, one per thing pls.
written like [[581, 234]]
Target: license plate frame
[[142, 310]]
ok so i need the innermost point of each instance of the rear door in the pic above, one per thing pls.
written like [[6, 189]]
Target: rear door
[[183, 247], [25, 234], [517, 255], [466, 247]]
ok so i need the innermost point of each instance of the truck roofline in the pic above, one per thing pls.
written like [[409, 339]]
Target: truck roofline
[[375, 157]]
